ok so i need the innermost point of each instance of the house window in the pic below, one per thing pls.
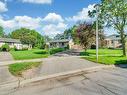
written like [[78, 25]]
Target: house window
[[117, 36], [112, 41], [119, 41], [62, 44]]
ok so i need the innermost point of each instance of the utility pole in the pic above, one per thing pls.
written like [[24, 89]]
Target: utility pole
[[97, 43]]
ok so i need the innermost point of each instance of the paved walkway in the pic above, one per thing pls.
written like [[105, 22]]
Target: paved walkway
[[5, 76]]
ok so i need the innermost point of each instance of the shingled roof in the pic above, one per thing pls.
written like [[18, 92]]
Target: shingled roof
[[55, 41], [9, 40]]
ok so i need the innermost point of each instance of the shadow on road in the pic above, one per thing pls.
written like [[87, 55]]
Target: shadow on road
[[121, 63], [72, 52]]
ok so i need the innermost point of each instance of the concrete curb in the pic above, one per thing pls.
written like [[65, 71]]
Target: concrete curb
[[56, 76], [6, 63]]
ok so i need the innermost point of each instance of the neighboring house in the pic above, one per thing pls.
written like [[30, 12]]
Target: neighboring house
[[113, 41], [13, 43], [62, 43]]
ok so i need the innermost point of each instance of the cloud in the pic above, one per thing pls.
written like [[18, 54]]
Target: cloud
[[53, 17], [53, 29], [3, 7], [82, 15], [7, 23], [50, 25], [28, 22], [38, 1], [54, 24], [21, 21]]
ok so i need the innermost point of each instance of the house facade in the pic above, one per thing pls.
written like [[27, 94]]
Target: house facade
[[63, 43], [113, 41], [13, 43]]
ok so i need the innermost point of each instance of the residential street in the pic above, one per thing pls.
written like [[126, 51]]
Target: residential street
[[103, 82]]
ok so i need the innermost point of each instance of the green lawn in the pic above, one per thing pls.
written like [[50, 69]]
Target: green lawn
[[103, 52], [29, 54], [17, 68], [106, 56]]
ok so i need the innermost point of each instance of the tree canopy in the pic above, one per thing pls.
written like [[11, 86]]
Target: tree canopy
[[86, 35], [28, 36], [1, 31]]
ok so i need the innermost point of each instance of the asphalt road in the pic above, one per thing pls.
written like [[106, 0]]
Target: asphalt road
[[103, 82]]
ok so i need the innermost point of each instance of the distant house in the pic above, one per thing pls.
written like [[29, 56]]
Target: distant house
[[62, 43], [113, 41], [13, 43]]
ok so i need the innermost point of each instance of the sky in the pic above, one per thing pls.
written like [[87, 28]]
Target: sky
[[48, 17]]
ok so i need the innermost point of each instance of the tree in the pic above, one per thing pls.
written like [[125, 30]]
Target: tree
[[1, 32], [86, 35], [74, 34], [47, 38], [114, 13], [28, 36], [68, 33], [59, 36]]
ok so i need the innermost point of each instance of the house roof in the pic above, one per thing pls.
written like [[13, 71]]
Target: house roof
[[113, 37], [9, 40], [56, 41]]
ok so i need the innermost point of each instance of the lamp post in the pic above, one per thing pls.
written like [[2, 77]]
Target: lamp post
[[97, 43]]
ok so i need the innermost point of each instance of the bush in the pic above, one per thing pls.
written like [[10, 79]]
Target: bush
[[23, 49], [56, 50], [14, 49], [5, 47], [41, 52], [93, 46], [84, 54], [110, 48], [66, 48]]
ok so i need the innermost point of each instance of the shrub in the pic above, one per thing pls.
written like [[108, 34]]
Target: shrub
[[24, 49], [66, 48], [84, 54], [41, 52], [5, 47], [93, 46], [56, 50], [14, 49]]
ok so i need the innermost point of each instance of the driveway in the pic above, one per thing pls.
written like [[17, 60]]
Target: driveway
[[103, 82], [55, 64], [63, 62], [5, 56]]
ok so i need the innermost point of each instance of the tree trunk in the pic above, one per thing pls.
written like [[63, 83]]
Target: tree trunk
[[124, 48], [123, 44]]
